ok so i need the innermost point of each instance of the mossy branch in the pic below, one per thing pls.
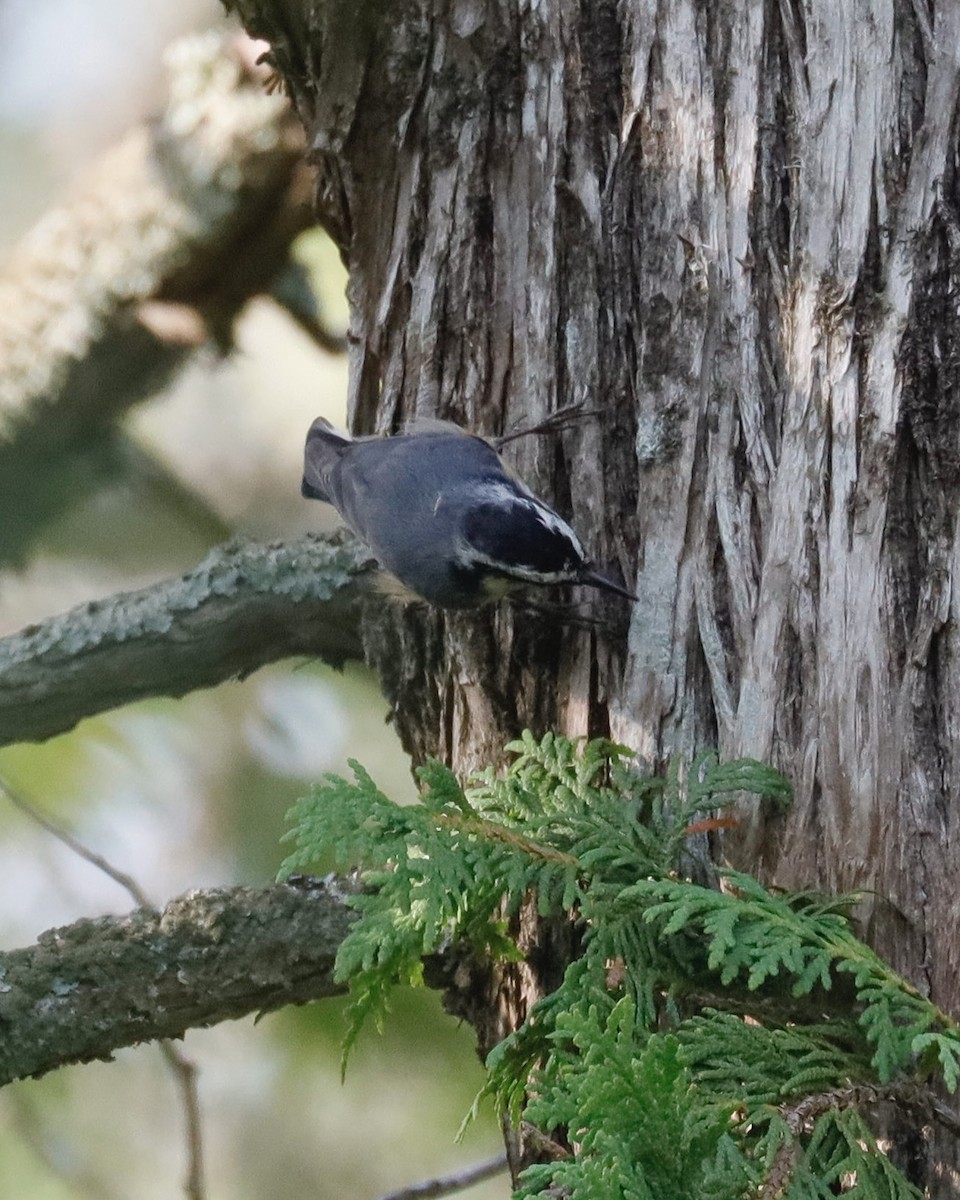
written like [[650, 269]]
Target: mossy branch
[[84, 991], [244, 606]]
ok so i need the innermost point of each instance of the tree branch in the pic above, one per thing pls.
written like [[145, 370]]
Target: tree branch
[[153, 254], [244, 606], [87, 989]]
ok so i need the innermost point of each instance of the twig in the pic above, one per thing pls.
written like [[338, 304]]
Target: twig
[[62, 835], [446, 1185], [184, 1071], [557, 422], [182, 1068], [864, 1095]]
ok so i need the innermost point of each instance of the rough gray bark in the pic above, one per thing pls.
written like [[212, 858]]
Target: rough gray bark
[[83, 991], [244, 606], [736, 228]]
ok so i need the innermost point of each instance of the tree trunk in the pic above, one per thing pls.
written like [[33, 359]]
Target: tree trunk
[[735, 229]]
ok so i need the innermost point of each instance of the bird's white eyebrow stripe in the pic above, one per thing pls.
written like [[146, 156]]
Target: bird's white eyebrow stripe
[[505, 496], [471, 556], [546, 516]]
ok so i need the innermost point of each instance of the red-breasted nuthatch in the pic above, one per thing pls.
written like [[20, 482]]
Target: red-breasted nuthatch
[[439, 510]]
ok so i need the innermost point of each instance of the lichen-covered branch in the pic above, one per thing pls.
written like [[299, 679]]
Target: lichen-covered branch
[[85, 990], [151, 256], [244, 606]]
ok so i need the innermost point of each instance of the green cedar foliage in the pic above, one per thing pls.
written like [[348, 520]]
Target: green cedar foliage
[[642, 1061]]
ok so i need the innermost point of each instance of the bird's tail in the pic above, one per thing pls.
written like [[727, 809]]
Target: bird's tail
[[320, 455]]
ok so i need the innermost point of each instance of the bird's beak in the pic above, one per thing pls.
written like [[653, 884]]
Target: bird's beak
[[594, 578]]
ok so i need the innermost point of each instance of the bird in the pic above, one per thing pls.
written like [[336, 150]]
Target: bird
[[442, 513]]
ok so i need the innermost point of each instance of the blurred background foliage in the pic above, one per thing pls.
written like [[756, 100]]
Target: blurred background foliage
[[192, 793]]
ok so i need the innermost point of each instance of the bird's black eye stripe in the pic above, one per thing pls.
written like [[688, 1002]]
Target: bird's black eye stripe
[[515, 536]]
